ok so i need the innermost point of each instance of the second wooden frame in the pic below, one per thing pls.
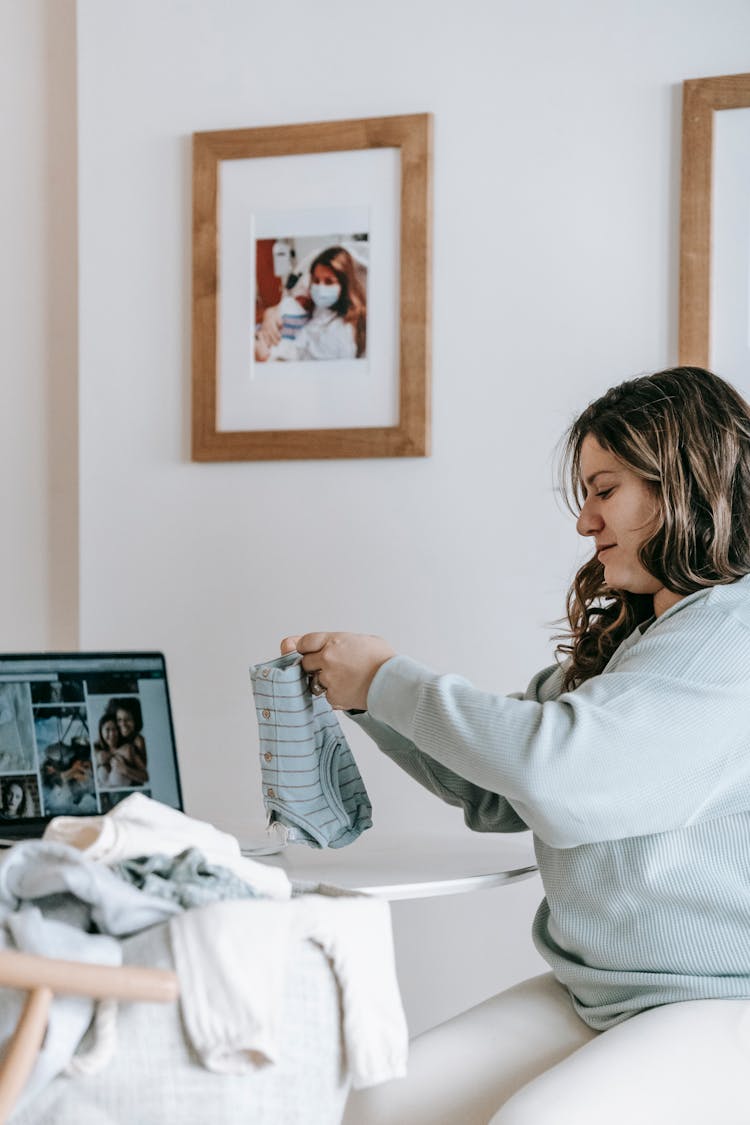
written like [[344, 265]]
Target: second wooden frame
[[702, 98]]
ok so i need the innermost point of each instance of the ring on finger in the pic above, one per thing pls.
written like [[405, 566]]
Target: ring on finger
[[315, 685]]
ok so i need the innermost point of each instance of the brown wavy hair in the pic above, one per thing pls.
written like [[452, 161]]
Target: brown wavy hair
[[686, 432], [352, 303]]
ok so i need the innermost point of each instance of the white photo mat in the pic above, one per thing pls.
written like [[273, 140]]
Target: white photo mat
[[308, 194], [729, 347]]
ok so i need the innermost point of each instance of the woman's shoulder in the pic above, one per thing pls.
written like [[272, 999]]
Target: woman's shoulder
[[325, 320], [733, 597], [729, 600], [707, 632], [328, 336]]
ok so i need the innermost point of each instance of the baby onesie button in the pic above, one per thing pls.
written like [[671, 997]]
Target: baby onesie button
[[266, 713], [271, 793], [266, 673], [268, 757]]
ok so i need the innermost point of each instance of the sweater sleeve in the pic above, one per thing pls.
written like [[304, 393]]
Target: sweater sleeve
[[656, 742], [483, 809]]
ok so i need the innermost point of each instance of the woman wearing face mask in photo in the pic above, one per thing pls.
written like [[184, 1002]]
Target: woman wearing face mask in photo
[[337, 328]]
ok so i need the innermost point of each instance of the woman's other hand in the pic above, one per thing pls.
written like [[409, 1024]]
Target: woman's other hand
[[270, 326], [262, 352], [344, 664]]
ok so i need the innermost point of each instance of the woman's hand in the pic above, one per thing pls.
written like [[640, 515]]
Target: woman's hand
[[79, 771], [270, 326], [344, 664], [262, 351]]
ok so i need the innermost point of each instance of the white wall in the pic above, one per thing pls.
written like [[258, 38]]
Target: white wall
[[555, 274], [38, 325]]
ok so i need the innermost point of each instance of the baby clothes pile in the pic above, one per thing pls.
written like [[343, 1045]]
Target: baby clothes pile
[[93, 880]]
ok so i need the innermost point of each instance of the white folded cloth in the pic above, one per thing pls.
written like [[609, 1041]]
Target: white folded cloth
[[231, 957], [231, 967], [140, 826]]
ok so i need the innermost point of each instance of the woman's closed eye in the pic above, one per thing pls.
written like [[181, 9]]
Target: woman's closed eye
[[605, 493]]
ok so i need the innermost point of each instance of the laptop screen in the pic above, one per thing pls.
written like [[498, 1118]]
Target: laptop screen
[[81, 731]]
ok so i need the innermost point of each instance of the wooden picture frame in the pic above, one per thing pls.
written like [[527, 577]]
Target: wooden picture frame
[[405, 305], [702, 99]]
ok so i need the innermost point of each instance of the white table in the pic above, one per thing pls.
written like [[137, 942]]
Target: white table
[[414, 866]]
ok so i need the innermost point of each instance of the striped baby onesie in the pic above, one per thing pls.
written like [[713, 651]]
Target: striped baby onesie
[[311, 786]]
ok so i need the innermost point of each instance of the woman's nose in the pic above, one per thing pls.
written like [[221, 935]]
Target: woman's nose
[[588, 522]]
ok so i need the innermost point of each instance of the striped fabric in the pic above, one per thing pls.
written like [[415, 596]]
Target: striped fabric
[[291, 323], [636, 786], [311, 786]]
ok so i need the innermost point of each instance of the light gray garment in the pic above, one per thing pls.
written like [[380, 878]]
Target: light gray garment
[[50, 896], [186, 879], [311, 785], [155, 1077], [35, 869]]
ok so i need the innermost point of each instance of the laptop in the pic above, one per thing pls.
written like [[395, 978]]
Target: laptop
[[79, 732]]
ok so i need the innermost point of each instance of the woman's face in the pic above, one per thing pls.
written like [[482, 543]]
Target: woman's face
[[620, 512], [15, 799], [323, 275], [125, 723], [110, 734], [325, 288]]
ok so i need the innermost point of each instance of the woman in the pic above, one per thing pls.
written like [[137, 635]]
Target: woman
[[127, 759], [15, 800], [337, 328], [107, 774], [130, 758], [630, 761]]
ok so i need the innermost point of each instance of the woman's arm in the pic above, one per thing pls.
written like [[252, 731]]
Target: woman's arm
[[127, 763], [139, 751], [483, 811], [657, 741]]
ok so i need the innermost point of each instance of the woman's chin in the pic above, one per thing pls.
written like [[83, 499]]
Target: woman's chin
[[611, 577], [617, 580]]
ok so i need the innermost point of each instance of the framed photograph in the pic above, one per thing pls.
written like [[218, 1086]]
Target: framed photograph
[[311, 290], [714, 327]]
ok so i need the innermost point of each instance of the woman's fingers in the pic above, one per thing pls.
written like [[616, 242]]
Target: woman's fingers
[[272, 325], [342, 664], [312, 642]]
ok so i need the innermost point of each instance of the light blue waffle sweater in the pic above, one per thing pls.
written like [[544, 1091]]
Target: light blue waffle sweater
[[636, 786]]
